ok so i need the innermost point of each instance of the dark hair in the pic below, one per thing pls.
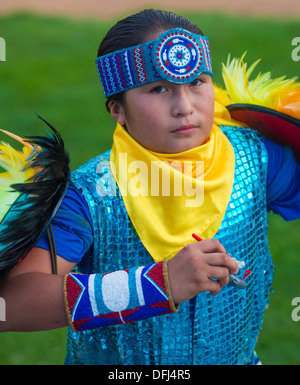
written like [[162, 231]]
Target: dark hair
[[136, 29]]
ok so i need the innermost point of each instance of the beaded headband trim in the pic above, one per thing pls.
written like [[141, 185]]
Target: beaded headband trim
[[177, 56]]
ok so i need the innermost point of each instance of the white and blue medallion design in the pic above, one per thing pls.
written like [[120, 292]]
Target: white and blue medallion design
[[178, 56]]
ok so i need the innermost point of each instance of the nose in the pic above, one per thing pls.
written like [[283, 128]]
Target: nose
[[182, 103]]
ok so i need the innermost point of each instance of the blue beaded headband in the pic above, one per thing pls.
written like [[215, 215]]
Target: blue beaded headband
[[177, 56]]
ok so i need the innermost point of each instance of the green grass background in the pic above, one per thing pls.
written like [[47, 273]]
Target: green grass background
[[50, 70]]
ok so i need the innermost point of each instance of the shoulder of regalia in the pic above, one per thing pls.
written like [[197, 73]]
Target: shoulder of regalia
[[100, 164]]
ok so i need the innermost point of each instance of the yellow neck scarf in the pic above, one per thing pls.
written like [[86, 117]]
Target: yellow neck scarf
[[170, 196]]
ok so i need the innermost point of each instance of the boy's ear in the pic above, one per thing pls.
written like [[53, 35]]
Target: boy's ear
[[117, 112]]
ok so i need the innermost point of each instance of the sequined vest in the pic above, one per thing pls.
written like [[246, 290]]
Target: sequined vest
[[221, 329]]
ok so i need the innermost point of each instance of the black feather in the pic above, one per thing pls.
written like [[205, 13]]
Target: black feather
[[41, 197]]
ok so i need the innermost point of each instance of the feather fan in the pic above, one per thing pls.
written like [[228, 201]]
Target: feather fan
[[277, 94], [32, 188], [270, 106]]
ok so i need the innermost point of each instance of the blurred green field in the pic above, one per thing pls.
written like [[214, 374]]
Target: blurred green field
[[50, 70]]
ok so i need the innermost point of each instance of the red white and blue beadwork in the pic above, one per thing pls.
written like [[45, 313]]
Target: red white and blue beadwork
[[177, 56], [120, 297]]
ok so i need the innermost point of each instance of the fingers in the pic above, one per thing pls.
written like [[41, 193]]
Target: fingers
[[220, 276], [210, 246], [198, 267], [219, 264], [214, 247], [215, 286], [224, 260]]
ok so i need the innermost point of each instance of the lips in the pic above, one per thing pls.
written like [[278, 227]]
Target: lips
[[185, 130]]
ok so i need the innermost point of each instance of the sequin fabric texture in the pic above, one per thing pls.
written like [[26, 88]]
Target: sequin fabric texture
[[221, 329]]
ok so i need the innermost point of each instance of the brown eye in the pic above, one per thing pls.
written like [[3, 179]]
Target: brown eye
[[197, 82], [158, 89]]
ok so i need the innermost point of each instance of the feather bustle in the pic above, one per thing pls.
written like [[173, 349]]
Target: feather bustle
[[263, 90], [44, 191]]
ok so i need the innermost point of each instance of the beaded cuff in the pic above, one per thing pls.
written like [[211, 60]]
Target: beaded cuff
[[123, 296]]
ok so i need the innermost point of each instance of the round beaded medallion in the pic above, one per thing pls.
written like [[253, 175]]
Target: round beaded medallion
[[177, 56]]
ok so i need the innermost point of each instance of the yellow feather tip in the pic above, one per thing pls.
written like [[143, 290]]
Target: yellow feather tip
[[13, 163], [280, 94], [18, 138]]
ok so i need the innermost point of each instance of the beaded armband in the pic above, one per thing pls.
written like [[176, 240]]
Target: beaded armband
[[123, 296]]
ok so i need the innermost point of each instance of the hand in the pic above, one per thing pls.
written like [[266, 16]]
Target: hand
[[191, 270]]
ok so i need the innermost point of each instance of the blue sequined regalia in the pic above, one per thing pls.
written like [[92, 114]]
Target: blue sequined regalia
[[221, 329]]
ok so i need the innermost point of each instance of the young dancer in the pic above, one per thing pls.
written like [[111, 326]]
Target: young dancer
[[144, 291]]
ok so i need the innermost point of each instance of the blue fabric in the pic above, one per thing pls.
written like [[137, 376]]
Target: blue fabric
[[283, 198], [283, 181], [72, 228]]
